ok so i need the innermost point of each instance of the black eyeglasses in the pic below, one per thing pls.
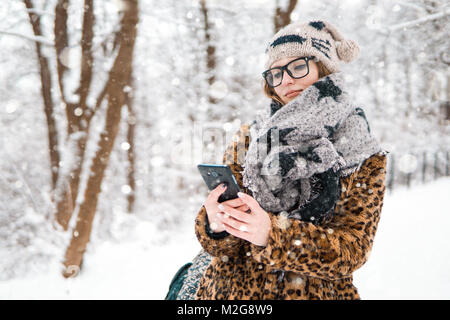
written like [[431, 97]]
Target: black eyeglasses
[[297, 68]]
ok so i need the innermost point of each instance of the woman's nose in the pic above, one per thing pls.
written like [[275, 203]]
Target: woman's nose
[[287, 78]]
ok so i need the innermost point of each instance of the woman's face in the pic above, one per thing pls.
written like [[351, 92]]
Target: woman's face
[[290, 87]]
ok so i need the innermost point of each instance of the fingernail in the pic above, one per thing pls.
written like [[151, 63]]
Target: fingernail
[[224, 185], [240, 195], [221, 207]]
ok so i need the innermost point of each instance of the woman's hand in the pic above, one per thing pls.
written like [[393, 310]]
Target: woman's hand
[[213, 211], [253, 226]]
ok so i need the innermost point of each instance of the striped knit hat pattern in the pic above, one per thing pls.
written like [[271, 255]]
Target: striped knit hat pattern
[[316, 38]]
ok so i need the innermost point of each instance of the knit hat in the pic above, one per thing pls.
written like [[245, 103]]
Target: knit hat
[[316, 38]]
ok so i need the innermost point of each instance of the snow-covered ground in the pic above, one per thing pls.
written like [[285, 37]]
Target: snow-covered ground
[[410, 257]]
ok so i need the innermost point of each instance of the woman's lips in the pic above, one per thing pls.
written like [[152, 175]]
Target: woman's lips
[[293, 94]]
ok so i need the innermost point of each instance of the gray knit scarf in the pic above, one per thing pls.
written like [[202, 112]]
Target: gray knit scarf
[[320, 132]]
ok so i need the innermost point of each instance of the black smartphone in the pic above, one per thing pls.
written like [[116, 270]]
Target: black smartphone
[[215, 174]]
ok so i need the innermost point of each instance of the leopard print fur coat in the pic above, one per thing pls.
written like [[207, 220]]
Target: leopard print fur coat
[[301, 260]]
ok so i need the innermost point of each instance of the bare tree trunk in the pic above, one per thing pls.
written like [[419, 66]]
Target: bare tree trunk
[[409, 90], [283, 17], [79, 114], [46, 87], [118, 79], [65, 198], [61, 42], [210, 51], [131, 150], [86, 53]]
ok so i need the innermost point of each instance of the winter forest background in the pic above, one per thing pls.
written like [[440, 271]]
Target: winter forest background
[[108, 107]]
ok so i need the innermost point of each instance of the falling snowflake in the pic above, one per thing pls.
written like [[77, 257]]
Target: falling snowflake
[[122, 5], [229, 61], [78, 112], [297, 281], [125, 146], [283, 221], [227, 126], [219, 23], [218, 90], [213, 226], [300, 162], [126, 189], [64, 56], [11, 107], [408, 163], [343, 140]]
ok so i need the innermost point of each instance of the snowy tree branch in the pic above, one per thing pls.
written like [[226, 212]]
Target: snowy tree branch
[[39, 39], [40, 12], [416, 22], [412, 5]]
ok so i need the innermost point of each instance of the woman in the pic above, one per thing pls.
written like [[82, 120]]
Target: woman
[[312, 178]]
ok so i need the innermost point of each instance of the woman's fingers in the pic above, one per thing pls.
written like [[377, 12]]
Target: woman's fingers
[[250, 201], [236, 214], [237, 233], [244, 208], [212, 210], [216, 192], [213, 197], [229, 221], [233, 202], [254, 227]]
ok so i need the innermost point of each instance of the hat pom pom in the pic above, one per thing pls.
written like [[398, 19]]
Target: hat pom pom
[[348, 50]]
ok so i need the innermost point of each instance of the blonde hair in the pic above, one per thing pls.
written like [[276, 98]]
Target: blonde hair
[[270, 92]]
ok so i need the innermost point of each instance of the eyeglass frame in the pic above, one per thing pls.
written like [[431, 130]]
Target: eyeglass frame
[[285, 67]]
